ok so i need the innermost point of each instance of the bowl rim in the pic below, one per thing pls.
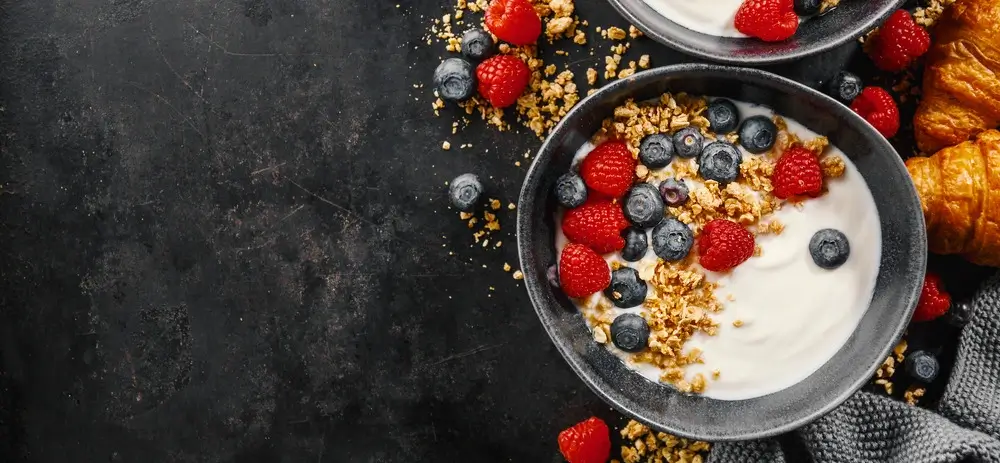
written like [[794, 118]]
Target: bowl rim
[[536, 287], [851, 33]]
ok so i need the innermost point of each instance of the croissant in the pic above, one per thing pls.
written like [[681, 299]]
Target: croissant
[[961, 85]]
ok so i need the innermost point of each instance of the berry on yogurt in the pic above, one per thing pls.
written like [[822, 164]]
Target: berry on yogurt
[[464, 192], [570, 190], [454, 79], [626, 289], [720, 161], [656, 151], [630, 332], [758, 134], [688, 142], [672, 240], [674, 192], [723, 116], [644, 206], [829, 248], [636, 244]]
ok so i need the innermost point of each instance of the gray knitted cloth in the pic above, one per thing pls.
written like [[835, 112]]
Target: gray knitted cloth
[[965, 427]]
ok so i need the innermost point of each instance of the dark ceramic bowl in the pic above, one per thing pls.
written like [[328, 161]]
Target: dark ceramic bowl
[[904, 251], [842, 24]]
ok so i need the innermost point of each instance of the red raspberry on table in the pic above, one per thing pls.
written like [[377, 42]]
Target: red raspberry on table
[[899, 41], [934, 300], [582, 271], [768, 20], [598, 224], [797, 173], [609, 169], [586, 442], [879, 109], [724, 244], [513, 21], [502, 79]]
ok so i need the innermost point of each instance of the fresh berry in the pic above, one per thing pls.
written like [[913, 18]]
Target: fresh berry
[[552, 274], [845, 86], [630, 332], [768, 20], [807, 7], [464, 192], [513, 21], [656, 151], [674, 192], [626, 289], [582, 271], [797, 173], [570, 190], [597, 224], [454, 79], [688, 142], [609, 169], [477, 44], [502, 79], [758, 134], [899, 41], [829, 248], [672, 240], [934, 300], [959, 314], [636, 244], [922, 366], [879, 109], [586, 442], [723, 245], [720, 161], [644, 206], [723, 116]]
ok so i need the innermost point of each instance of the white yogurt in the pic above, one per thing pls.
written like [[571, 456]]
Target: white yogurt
[[795, 315], [712, 17]]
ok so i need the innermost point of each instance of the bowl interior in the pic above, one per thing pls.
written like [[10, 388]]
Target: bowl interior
[[846, 22], [897, 287]]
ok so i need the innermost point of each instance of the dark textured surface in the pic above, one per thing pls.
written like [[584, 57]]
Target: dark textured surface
[[222, 241]]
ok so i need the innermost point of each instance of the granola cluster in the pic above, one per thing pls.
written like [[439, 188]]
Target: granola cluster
[[649, 446]]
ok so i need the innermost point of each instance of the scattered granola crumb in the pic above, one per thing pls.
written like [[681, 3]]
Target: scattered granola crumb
[[446, 145], [650, 446], [928, 15], [737, 323], [494, 204], [518, 275], [913, 394], [506, 267], [644, 61], [591, 76], [634, 32], [615, 33], [511, 206]]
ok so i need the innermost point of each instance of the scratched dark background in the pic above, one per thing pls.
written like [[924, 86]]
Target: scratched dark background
[[225, 238]]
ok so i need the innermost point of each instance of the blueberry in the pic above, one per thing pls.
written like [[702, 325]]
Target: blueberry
[[959, 314], [477, 44], [845, 86], [829, 248], [672, 240], [922, 366], [552, 274], [644, 206], [626, 288], [688, 142], [630, 332], [455, 79], [464, 192], [807, 7], [758, 133], [636, 244], [674, 192], [720, 162], [656, 151], [570, 190], [723, 117]]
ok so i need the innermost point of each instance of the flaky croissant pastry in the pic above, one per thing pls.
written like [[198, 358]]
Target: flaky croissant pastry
[[962, 78], [959, 190]]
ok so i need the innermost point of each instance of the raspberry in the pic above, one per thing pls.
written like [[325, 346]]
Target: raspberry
[[502, 79], [582, 271], [513, 21], [723, 245], [598, 223], [934, 300], [797, 173], [586, 442], [899, 41], [768, 20], [609, 169], [879, 109]]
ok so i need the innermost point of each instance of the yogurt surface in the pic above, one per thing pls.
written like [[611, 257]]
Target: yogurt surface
[[713, 17]]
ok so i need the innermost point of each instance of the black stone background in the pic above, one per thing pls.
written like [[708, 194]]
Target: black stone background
[[225, 238]]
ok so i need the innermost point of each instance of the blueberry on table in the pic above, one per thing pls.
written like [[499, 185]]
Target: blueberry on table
[[636, 244], [688, 142], [630, 332], [807, 7], [720, 162], [455, 79], [644, 206], [829, 248], [626, 288], [477, 44], [465, 191], [845, 87], [723, 116], [656, 151], [674, 192], [758, 134], [922, 366], [570, 190], [672, 240], [959, 314]]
